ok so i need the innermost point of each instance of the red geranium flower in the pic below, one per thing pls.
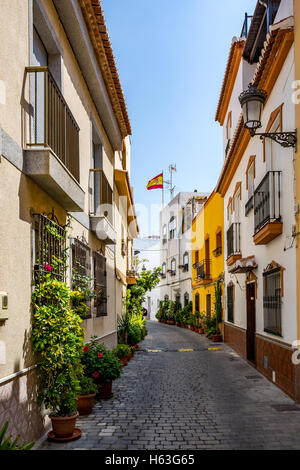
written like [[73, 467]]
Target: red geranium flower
[[96, 374], [86, 349], [100, 355]]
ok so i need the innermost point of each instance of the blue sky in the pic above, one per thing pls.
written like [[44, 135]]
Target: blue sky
[[171, 57]]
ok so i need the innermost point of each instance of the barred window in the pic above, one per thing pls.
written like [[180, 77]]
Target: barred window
[[186, 299], [230, 303], [100, 284], [81, 270], [208, 305], [49, 248], [272, 302]]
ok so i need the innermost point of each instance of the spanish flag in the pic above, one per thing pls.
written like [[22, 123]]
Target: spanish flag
[[156, 183]]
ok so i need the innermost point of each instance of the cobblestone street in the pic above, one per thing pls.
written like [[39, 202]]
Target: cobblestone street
[[188, 400]]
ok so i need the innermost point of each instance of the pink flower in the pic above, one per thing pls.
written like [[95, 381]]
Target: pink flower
[[86, 349], [100, 355], [96, 374], [48, 268]]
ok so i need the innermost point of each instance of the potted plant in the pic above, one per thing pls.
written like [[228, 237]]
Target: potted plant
[[102, 365], [218, 309], [123, 352], [57, 338], [85, 401]]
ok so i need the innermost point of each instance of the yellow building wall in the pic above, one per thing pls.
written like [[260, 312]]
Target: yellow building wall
[[206, 225]]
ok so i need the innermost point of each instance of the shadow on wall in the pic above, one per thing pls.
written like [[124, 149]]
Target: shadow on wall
[[18, 406]]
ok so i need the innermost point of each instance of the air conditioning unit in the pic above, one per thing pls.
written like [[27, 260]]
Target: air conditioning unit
[[3, 305]]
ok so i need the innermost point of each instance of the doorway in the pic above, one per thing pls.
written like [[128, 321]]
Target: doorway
[[251, 323]]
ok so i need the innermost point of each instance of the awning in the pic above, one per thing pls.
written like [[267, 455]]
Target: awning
[[243, 265]]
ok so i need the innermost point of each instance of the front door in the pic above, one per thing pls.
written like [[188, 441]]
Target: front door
[[251, 327]]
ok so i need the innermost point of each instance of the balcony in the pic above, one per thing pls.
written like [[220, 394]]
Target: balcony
[[204, 271], [233, 244], [267, 216], [52, 142], [101, 208], [218, 252]]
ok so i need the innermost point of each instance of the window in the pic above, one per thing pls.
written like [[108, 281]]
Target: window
[[164, 235], [272, 301], [178, 299], [218, 251], [196, 257], [229, 210], [208, 305], [230, 303], [100, 284], [186, 262], [173, 267], [228, 133], [197, 303], [81, 270], [49, 248], [123, 243], [186, 299], [172, 228], [237, 203], [250, 176], [164, 271], [166, 298]]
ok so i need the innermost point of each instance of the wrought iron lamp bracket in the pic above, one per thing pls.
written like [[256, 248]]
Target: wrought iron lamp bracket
[[285, 139]]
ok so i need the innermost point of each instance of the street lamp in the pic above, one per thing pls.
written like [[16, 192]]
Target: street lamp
[[252, 102]]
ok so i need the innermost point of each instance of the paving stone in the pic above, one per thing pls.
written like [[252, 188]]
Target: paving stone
[[185, 401]]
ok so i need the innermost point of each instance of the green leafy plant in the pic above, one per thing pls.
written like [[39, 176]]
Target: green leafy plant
[[100, 363], [57, 339], [122, 350], [87, 386], [218, 299], [6, 443]]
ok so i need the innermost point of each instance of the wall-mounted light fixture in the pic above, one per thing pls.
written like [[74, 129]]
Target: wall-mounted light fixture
[[252, 103]]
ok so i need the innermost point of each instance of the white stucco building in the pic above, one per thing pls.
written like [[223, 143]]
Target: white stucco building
[[257, 183], [176, 257]]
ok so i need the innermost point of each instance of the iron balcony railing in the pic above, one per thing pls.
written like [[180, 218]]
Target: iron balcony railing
[[267, 200], [227, 147], [249, 205], [51, 123], [245, 29], [234, 239], [203, 270], [101, 195], [217, 252]]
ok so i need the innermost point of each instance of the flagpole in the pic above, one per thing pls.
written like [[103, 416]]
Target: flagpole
[[162, 193]]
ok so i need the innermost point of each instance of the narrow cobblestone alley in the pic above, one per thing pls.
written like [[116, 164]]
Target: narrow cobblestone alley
[[188, 400]]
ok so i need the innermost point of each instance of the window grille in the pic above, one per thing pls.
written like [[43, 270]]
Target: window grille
[[81, 269], [100, 284], [272, 302], [50, 248], [230, 304]]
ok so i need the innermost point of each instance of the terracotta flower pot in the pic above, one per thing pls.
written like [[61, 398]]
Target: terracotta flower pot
[[105, 390], [201, 331], [85, 404], [124, 361], [217, 338], [64, 427]]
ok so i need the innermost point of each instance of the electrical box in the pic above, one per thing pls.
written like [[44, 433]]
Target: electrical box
[[3, 305]]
